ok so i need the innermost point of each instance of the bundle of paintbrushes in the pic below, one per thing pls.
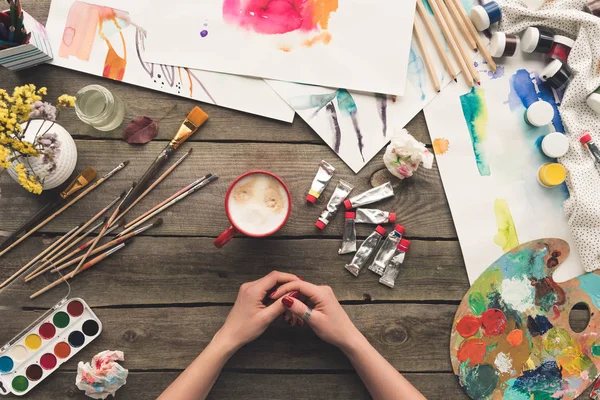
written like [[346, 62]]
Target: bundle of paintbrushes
[[12, 30]]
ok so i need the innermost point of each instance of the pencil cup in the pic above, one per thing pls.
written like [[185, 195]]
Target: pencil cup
[[36, 51]]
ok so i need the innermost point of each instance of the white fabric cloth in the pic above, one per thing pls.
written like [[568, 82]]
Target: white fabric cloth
[[583, 179]]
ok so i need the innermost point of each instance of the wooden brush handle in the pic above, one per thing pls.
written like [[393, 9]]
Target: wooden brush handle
[[32, 221]]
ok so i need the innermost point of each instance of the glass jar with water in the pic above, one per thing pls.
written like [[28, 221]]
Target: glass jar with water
[[97, 106]]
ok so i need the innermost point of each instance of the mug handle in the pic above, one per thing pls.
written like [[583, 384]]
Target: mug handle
[[225, 237]]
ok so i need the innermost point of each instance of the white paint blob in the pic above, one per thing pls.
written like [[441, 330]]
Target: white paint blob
[[503, 363], [518, 294]]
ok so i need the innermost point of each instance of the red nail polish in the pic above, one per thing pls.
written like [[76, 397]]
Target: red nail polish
[[287, 301], [272, 295], [295, 294]]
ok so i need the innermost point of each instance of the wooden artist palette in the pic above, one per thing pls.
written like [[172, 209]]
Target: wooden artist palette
[[511, 337]]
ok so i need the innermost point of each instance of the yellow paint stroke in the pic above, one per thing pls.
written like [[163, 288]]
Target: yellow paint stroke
[[440, 146], [507, 233], [321, 10], [191, 83], [323, 37]]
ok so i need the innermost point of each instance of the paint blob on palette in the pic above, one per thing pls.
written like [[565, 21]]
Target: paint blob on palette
[[30, 359], [511, 337]]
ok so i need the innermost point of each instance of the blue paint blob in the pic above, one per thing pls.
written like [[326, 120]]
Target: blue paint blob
[[6, 364], [541, 382], [416, 71], [204, 33], [543, 323]]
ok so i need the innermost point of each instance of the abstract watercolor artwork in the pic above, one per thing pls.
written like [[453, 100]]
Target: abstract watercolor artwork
[[95, 38], [488, 157], [354, 44], [511, 337]]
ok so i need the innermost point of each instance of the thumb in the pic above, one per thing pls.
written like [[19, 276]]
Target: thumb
[[297, 307]]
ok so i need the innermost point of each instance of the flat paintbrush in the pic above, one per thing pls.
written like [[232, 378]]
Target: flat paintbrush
[[81, 181], [195, 119]]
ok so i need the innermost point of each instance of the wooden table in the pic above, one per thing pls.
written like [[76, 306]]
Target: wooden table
[[162, 298]]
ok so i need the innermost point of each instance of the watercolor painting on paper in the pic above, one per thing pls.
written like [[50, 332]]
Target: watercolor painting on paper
[[488, 157], [339, 44], [101, 39], [511, 337]]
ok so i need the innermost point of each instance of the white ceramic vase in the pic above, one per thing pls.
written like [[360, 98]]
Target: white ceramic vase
[[65, 161]]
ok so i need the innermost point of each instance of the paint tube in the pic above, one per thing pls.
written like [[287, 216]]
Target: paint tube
[[342, 190], [387, 250], [370, 196], [349, 239], [588, 142], [324, 175], [393, 268], [365, 251], [373, 216]]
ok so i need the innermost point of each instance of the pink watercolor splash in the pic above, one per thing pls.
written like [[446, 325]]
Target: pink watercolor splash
[[279, 16]]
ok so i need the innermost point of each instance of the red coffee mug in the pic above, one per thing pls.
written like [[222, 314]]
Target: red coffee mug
[[234, 228]]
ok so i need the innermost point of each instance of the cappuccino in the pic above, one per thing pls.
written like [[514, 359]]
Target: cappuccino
[[258, 204]]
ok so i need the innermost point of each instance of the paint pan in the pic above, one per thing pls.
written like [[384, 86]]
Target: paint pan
[[557, 75], [561, 48], [53, 339], [503, 45], [593, 7], [537, 40], [486, 15]]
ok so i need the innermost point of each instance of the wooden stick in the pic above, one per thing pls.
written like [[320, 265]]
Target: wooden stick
[[426, 58], [482, 48], [69, 204], [451, 42], [154, 184], [162, 203], [53, 245], [461, 25], [436, 41], [87, 265]]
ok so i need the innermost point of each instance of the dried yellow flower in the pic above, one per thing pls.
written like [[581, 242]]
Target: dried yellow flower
[[30, 183], [66, 101]]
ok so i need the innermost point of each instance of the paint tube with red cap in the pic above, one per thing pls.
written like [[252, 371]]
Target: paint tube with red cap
[[324, 175], [365, 251], [387, 250], [349, 239], [342, 190], [370, 196], [588, 142], [374, 216], [393, 268]]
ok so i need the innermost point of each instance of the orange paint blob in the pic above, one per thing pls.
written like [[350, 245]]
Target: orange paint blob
[[285, 49], [473, 350], [324, 37], [493, 322], [468, 326], [322, 10], [515, 337], [440, 146]]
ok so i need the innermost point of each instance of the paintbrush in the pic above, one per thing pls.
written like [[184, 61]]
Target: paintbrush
[[154, 184], [176, 200], [162, 203], [195, 119], [87, 265], [156, 223], [52, 246], [69, 204], [77, 184]]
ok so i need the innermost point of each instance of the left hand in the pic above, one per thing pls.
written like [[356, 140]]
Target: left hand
[[250, 317]]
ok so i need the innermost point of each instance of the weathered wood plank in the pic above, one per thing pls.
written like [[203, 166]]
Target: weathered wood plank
[[420, 201], [201, 273]]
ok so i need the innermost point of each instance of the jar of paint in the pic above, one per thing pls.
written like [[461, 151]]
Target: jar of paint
[[503, 45], [551, 175], [486, 15], [593, 7], [593, 101], [557, 75], [537, 40], [555, 144], [539, 113], [561, 48]]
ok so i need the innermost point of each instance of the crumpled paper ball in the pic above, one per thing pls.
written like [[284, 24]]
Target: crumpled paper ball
[[103, 376], [404, 154]]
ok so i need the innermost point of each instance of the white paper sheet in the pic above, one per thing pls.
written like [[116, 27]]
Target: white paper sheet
[[495, 180], [357, 44], [73, 29]]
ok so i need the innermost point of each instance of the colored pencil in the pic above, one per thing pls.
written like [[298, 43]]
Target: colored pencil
[[436, 41], [69, 204], [425, 55], [461, 25]]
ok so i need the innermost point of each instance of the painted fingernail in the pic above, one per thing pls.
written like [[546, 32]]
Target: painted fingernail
[[295, 294], [287, 301], [272, 295], [301, 278]]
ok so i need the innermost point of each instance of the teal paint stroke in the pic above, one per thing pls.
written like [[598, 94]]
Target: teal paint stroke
[[476, 116], [427, 6], [590, 284], [416, 72], [524, 263]]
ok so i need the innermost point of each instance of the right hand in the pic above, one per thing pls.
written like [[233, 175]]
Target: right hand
[[328, 320]]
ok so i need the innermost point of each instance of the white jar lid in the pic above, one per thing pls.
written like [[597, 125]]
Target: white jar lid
[[593, 101], [555, 144], [540, 113], [530, 39], [480, 18], [498, 44], [564, 40], [551, 69]]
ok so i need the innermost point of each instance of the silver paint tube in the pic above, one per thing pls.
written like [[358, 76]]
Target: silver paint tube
[[387, 250], [349, 239], [370, 196], [365, 251], [342, 190], [324, 175], [393, 268], [373, 216]]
